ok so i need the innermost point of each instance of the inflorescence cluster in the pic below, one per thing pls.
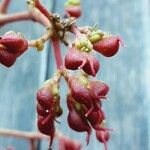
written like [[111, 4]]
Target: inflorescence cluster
[[85, 95]]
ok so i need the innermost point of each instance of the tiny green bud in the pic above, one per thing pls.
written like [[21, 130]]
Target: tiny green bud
[[95, 38], [74, 2], [31, 3], [84, 80], [39, 45], [78, 106], [83, 44], [54, 90], [47, 83], [58, 111]]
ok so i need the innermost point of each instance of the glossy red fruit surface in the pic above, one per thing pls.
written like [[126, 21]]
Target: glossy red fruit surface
[[108, 46], [73, 11]]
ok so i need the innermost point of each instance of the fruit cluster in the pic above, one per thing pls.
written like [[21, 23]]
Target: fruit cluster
[[85, 95]]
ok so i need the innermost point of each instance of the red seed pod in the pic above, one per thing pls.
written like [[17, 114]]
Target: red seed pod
[[87, 92], [73, 11], [12, 45], [77, 59], [44, 97], [48, 108], [66, 143], [14, 42], [70, 102], [98, 89], [103, 136], [78, 123], [92, 66], [6, 58], [79, 90], [42, 111], [108, 46], [96, 118], [74, 59], [46, 126]]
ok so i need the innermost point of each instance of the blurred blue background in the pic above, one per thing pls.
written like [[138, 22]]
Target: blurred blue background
[[127, 74]]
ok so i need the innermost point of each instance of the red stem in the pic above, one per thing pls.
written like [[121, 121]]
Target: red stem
[[57, 53], [14, 17], [33, 15], [4, 6], [32, 144], [43, 9], [75, 30]]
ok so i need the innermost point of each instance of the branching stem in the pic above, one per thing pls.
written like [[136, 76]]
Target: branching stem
[[57, 53]]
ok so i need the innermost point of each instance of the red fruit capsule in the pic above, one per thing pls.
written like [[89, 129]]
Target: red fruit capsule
[[12, 45], [79, 123], [103, 136], [77, 59], [98, 89], [42, 111], [6, 58], [14, 42], [108, 46], [44, 97], [46, 126], [73, 11], [96, 118], [79, 91]]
